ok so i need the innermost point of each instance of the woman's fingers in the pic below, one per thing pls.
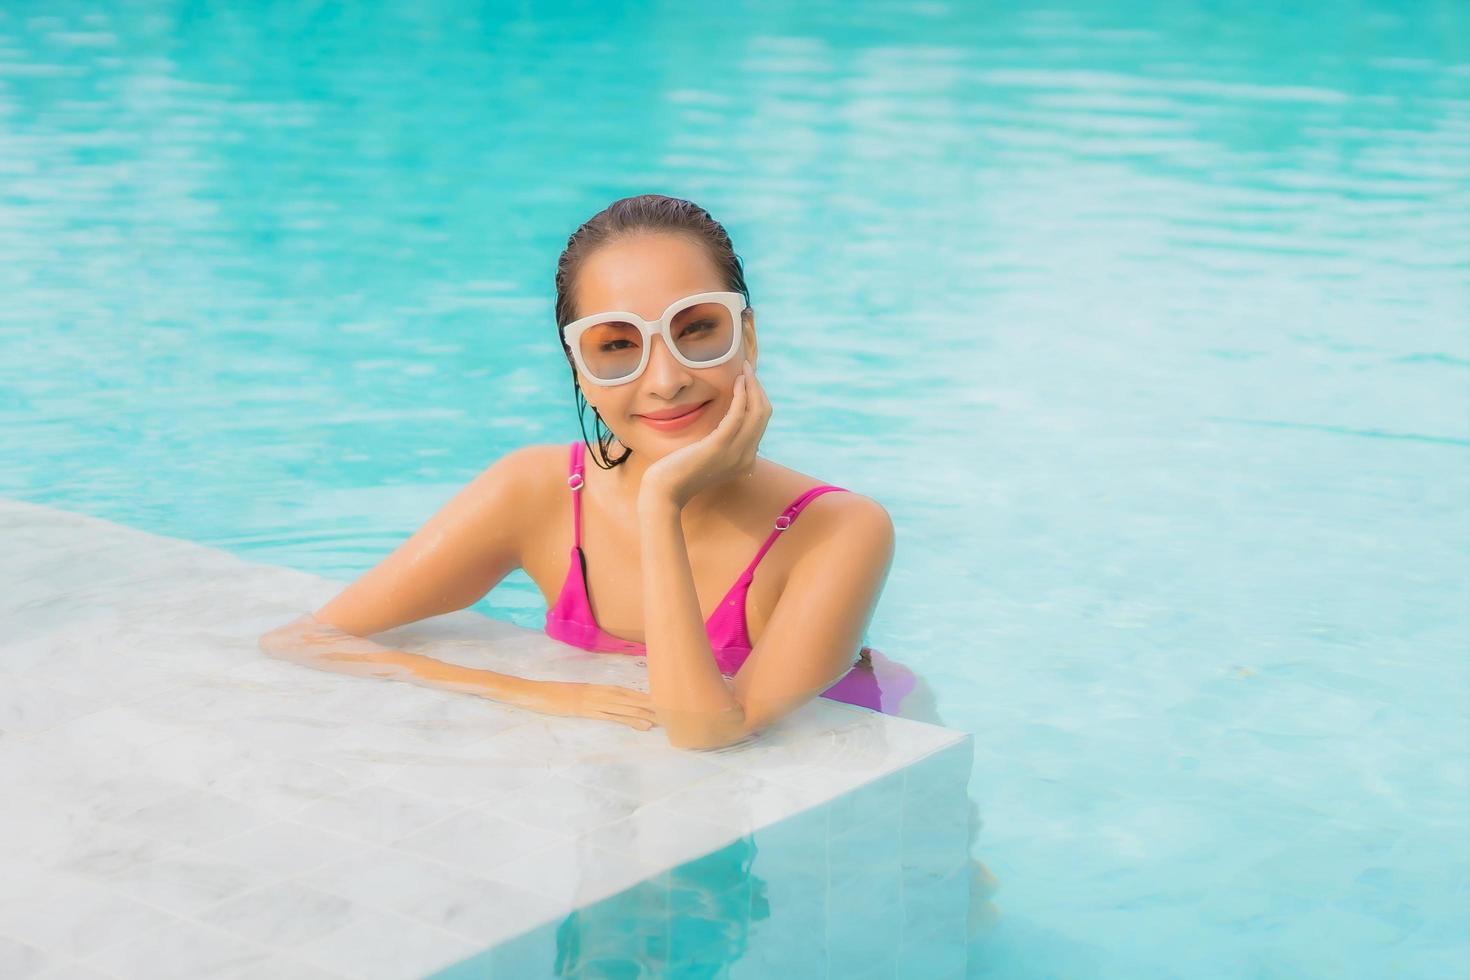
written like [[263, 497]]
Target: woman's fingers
[[626, 694], [633, 721], [621, 704], [733, 423], [624, 701], [624, 708], [754, 421]]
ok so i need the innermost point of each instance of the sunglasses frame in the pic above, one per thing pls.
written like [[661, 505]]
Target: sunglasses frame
[[734, 302]]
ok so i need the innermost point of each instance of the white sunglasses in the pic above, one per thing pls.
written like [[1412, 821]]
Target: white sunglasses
[[700, 330]]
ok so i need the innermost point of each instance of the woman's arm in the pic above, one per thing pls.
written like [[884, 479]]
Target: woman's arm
[[312, 643], [809, 641], [460, 553], [691, 698]]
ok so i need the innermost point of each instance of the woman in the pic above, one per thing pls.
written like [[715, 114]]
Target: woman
[[659, 528], [657, 328]]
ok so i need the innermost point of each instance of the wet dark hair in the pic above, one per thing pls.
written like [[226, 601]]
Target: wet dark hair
[[621, 219]]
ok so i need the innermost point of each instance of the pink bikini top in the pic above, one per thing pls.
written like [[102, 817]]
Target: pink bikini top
[[570, 619]]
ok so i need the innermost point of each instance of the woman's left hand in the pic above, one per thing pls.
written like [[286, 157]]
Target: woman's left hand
[[726, 452]]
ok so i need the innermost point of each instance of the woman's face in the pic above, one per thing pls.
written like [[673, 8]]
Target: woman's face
[[643, 275]]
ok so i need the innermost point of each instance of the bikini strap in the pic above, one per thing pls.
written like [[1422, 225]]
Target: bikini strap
[[575, 481], [784, 521]]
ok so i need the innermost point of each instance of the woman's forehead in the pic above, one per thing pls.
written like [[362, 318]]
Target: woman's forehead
[[644, 276]]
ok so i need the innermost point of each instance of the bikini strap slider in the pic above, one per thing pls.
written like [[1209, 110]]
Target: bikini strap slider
[[783, 522], [575, 481]]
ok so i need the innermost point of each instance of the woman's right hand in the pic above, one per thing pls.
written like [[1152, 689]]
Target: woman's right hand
[[605, 701]]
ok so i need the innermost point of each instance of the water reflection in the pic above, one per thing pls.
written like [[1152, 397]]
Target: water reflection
[[690, 921]]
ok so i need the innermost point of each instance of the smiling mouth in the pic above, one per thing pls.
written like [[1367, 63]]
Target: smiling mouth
[[669, 418]]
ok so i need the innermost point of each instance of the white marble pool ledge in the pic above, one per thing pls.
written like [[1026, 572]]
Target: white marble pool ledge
[[176, 804]]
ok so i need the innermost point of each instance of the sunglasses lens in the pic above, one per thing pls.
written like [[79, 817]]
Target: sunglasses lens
[[703, 333], [611, 350]]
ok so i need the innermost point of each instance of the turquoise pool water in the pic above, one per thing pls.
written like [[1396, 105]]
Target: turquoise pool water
[[1150, 327]]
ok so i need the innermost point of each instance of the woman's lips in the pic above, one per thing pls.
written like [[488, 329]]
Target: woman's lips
[[669, 425]]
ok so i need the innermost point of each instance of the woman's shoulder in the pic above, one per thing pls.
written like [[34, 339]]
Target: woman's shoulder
[[831, 508], [849, 529], [521, 478], [538, 467], [544, 457]]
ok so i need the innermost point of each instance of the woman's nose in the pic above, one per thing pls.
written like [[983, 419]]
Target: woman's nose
[[663, 366]]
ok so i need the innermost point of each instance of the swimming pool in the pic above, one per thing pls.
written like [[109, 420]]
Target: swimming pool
[[1148, 328]]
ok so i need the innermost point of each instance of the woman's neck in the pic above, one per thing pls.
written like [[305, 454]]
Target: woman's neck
[[709, 506]]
